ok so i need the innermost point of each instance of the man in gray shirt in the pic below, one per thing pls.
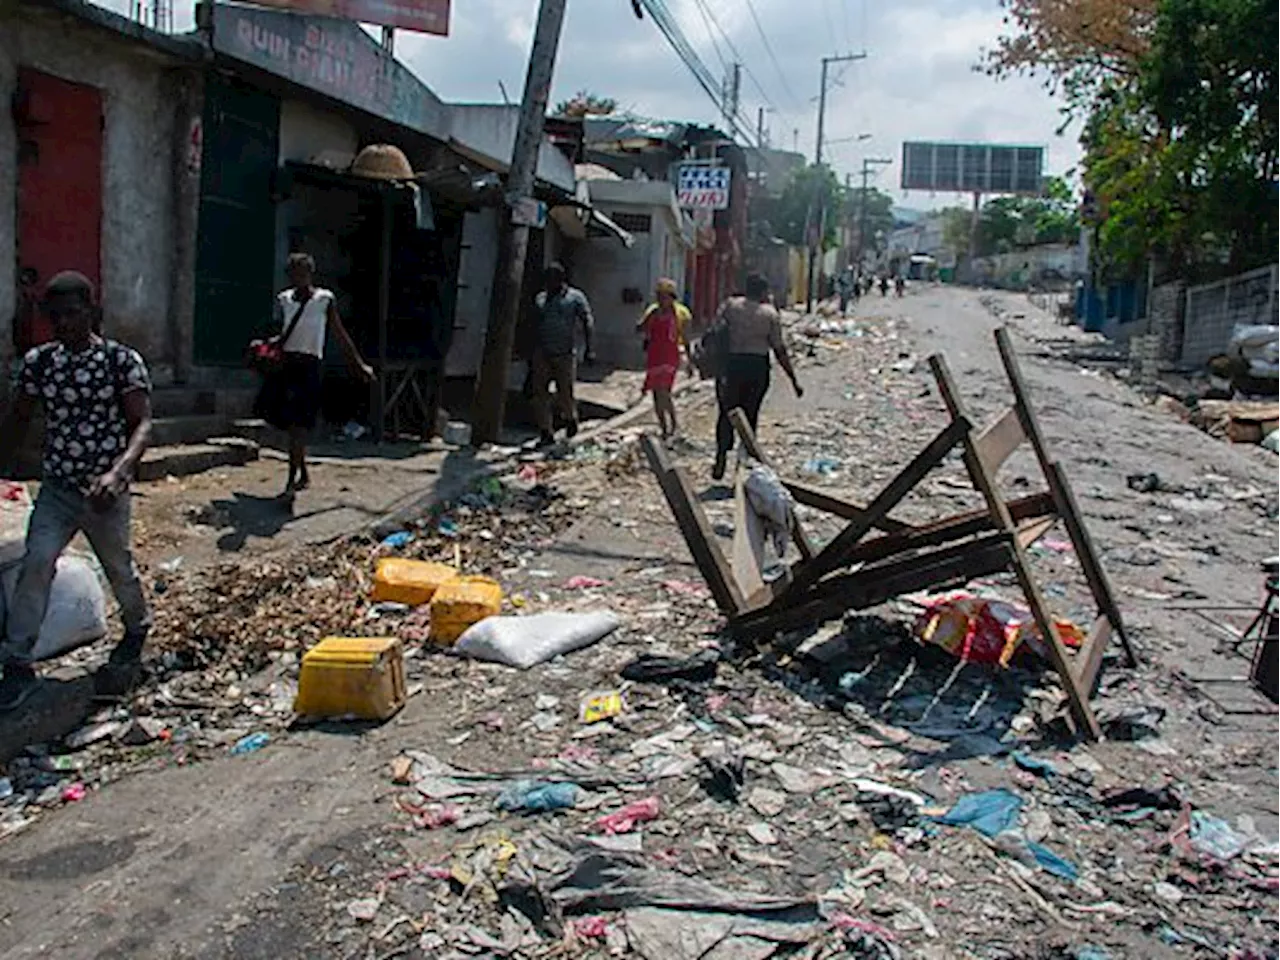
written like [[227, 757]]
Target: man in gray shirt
[[561, 310]]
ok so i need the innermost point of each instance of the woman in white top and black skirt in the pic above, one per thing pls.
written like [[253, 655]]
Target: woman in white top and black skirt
[[305, 314]]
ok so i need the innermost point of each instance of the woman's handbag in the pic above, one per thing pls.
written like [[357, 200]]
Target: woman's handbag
[[267, 356]]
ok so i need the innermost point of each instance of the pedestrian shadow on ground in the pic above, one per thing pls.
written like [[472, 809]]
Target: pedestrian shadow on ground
[[57, 708], [875, 667], [248, 516]]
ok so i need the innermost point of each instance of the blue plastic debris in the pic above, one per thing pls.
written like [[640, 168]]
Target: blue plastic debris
[[447, 527], [536, 796], [1053, 863], [250, 744], [990, 812], [1215, 838], [1034, 765], [398, 539]]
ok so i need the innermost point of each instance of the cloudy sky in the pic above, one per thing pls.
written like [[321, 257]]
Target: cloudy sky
[[917, 82]]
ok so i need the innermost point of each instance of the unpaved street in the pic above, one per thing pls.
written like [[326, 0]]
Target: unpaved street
[[307, 848]]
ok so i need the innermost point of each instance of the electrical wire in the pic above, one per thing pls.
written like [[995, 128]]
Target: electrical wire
[[709, 15], [675, 36], [706, 20], [768, 49]]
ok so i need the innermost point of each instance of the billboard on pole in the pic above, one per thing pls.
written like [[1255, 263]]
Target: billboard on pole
[[971, 167], [424, 16]]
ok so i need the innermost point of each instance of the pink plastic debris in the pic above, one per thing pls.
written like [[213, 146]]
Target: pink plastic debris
[[74, 792], [625, 820], [842, 921], [581, 582], [590, 927]]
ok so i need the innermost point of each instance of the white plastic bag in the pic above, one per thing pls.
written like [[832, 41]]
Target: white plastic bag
[[1259, 346], [525, 641], [77, 611]]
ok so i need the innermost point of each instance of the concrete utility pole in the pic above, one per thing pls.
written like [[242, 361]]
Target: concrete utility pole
[[867, 164], [817, 217], [513, 238], [731, 93]]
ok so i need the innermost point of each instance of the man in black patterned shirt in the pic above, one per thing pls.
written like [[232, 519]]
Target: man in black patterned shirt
[[96, 396]]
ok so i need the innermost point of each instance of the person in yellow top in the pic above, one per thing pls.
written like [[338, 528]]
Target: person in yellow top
[[663, 326]]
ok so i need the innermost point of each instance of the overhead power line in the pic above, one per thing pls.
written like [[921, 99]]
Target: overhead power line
[[706, 20], [670, 28], [768, 49], [709, 17]]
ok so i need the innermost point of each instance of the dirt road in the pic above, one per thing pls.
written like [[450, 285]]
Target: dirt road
[[259, 855]]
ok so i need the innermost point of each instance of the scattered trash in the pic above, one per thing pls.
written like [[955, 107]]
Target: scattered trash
[[990, 812], [73, 792], [725, 776], [653, 668], [625, 820], [250, 744], [982, 630], [1131, 723], [525, 641], [447, 528], [414, 582], [1143, 482], [462, 603], [535, 796], [364, 910], [87, 736], [394, 541], [356, 677], [581, 582], [1214, 838], [822, 466], [601, 705]]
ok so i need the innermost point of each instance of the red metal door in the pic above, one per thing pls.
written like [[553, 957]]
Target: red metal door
[[59, 127]]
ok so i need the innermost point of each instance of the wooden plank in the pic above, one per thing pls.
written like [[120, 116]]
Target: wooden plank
[[694, 527], [999, 440], [1021, 398], [1058, 656], [836, 553], [798, 535], [1094, 573], [1033, 530], [846, 509], [962, 525], [872, 585], [1089, 659]]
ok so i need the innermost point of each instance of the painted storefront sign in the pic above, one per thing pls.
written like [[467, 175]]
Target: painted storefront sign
[[702, 187]]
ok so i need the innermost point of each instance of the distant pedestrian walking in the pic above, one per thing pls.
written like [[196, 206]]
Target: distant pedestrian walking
[[562, 310], [754, 330], [290, 397], [664, 325]]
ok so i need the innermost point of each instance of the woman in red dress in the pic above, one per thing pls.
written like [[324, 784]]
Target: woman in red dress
[[663, 326]]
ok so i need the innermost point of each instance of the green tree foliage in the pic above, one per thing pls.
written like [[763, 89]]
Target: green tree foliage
[[1010, 223], [584, 103], [787, 214], [877, 216], [1181, 133]]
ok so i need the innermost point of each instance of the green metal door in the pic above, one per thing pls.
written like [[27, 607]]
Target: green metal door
[[235, 253]]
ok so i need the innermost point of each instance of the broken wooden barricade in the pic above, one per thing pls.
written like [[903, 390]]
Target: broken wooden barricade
[[858, 569]]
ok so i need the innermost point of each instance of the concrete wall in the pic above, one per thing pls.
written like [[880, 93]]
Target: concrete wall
[[488, 132], [138, 247], [475, 287], [311, 135], [603, 268]]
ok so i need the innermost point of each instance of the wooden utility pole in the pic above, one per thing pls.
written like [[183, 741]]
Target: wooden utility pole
[[817, 207], [513, 237], [867, 163]]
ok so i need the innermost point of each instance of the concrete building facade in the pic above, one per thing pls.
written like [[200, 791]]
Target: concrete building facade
[[95, 164]]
